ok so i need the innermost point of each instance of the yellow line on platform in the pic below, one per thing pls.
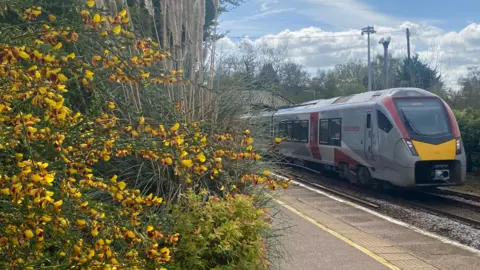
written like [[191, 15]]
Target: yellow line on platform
[[339, 236]]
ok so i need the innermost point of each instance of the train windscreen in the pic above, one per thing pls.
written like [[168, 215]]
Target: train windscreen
[[425, 117]]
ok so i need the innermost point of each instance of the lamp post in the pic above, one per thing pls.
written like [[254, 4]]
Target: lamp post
[[385, 42], [369, 30]]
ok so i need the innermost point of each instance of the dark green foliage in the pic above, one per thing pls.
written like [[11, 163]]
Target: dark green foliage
[[469, 123]]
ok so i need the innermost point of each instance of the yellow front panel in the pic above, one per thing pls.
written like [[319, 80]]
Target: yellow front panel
[[444, 151]]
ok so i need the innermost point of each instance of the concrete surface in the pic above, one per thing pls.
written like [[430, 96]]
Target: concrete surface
[[329, 234], [311, 248]]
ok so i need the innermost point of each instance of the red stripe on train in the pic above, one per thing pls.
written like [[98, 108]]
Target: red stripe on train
[[341, 157], [314, 136], [388, 102], [453, 122]]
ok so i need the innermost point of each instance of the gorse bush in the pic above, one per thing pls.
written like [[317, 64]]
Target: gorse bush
[[64, 201], [221, 233]]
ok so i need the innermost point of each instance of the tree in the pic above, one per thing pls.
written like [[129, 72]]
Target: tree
[[268, 77], [225, 6], [294, 77], [421, 75], [350, 76], [470, 88]]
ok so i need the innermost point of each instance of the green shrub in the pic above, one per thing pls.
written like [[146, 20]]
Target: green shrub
[[469, 124], [223, 233]]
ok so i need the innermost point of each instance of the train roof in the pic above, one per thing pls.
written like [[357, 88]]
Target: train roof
[[370, 97]]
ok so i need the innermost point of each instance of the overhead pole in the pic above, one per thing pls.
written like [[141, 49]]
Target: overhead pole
[[369, 30], [409, 58]]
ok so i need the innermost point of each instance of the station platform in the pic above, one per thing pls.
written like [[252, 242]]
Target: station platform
[[329, 233]]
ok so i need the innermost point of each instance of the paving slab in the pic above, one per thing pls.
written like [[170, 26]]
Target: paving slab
[[310, 247]]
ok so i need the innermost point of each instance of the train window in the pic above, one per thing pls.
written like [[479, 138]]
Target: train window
[[335, 133], [369, 120], [296, 131], [323, 134], [289, 130], [383, 122], [304, 131]]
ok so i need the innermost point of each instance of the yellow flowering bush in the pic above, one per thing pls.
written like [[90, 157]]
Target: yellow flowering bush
[[64, 202]]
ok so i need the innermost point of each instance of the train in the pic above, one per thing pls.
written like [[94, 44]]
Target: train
[[402, 137]]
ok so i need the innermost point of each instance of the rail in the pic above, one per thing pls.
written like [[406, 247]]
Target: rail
[[333, 191]]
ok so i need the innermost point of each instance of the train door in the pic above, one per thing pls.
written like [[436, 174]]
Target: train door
[[369, 136]]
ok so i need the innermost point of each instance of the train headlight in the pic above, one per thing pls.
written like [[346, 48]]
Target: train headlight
[[411, 147], [458, 142]]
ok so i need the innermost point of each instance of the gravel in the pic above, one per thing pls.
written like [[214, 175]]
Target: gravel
[[454, 230]]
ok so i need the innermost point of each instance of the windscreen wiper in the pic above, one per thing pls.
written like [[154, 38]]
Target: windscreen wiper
[[408, 123]]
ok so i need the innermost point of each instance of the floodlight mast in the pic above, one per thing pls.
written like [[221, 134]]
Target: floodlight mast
[[385, 42]]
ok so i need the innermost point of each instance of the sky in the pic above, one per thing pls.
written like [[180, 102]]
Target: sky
[[322, 33]]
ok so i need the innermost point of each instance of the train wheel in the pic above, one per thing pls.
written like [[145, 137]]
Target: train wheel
[[364, 176]]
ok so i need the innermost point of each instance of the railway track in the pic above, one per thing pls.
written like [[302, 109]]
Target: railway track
[[463, 195], [463, 212], [461, 207], [334, 191]]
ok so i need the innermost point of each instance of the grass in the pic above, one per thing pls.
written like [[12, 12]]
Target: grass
[[472, 184]]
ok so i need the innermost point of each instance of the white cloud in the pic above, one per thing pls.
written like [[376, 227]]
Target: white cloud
[[450, 52], [267, 4]]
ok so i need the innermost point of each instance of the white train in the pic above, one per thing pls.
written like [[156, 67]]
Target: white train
[[407, 137]]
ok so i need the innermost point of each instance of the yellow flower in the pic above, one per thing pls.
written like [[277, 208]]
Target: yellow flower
[[58, 203], [58, 46], [91, 3], [266, 172], [29, 234], [123, 12], [130, 234], [51, 18], [96, 18], [169, 161], [111, 105], [122, 185], [175, 127], [36, 178], [81, 222], [201, 157], [49, 178], [116, 30], [187, 163], [89, 74], [62, 77], [141, 121], [23, 55], [278, 140]]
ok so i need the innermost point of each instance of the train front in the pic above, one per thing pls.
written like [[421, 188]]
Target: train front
[[431, 152]]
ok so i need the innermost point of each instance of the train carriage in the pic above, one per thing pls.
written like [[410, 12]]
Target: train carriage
[[407, 137]]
